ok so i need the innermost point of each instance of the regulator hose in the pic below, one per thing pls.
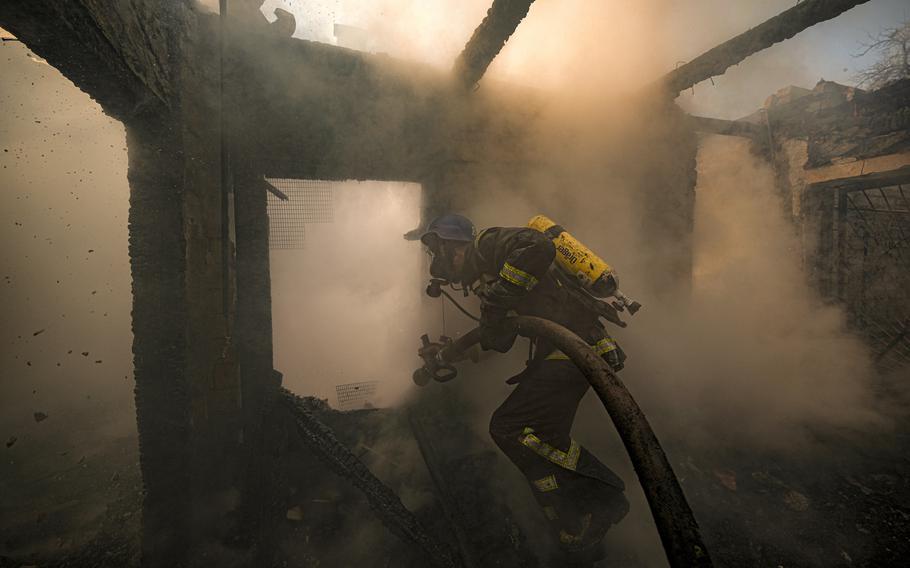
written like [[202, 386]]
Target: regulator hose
[[675, 522]]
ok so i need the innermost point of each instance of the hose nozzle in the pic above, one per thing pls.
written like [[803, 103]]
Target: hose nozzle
[[623, 302], [434, 366]]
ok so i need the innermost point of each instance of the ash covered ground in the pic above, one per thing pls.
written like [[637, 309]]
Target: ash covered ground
[[73, 498]]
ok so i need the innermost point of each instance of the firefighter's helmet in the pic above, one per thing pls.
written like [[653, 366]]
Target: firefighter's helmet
[[451, 227]]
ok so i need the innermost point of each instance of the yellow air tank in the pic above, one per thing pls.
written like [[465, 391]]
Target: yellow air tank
[[595, 275]]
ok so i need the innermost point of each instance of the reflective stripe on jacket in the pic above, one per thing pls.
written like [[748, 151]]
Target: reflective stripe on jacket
[[516, 265]]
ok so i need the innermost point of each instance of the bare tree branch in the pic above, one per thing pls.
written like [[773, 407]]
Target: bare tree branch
[[893, 64]]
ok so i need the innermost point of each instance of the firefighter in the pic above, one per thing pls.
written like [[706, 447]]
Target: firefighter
[[510, 269]]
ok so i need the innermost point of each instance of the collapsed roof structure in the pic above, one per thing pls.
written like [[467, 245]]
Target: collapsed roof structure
[[213, 103]]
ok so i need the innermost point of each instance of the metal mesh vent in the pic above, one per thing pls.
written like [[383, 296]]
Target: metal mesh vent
[[353, 396], [891, 340], [292, 203]]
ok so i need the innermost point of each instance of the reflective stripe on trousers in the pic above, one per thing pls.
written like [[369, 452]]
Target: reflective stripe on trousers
[[602, 347]]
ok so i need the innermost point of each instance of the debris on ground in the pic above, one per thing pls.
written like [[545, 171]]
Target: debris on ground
[[727, 478], [796, 501]]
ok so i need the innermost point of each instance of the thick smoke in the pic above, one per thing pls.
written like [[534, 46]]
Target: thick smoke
[[755, 356], [348, 305], [751, 342], [66, 388], [65, 296], [751, 357]]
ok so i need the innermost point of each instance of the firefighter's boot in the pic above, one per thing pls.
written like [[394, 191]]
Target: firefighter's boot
[[580, 513]]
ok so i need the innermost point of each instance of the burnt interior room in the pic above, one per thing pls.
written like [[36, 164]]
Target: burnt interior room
[[277, 190]]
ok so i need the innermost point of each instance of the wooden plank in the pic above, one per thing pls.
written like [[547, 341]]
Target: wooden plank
[[779, 28], [857, 168], [488, 39]]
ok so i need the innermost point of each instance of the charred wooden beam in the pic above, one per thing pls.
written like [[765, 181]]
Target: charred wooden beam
[[488, 39], [320, 440], [157, 248], [783, 26], [125, 74], [725, 127]]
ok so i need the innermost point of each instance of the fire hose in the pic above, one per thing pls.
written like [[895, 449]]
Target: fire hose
[[675, 522]]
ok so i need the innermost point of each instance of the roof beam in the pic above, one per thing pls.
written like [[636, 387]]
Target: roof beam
[[104, 50], [488, 39], [779, 28]]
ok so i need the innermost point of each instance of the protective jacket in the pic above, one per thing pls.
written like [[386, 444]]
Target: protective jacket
[[512, 269]]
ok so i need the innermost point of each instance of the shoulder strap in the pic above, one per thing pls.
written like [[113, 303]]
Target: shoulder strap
[[477, 244], [553, 232]]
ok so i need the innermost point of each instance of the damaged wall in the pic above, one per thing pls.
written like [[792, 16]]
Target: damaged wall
[[842, 157]]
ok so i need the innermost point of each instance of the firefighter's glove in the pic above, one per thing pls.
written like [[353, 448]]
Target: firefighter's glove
[[494, 333], [616, 357]]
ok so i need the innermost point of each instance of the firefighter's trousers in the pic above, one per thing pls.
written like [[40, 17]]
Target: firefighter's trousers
[[580, 496]]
